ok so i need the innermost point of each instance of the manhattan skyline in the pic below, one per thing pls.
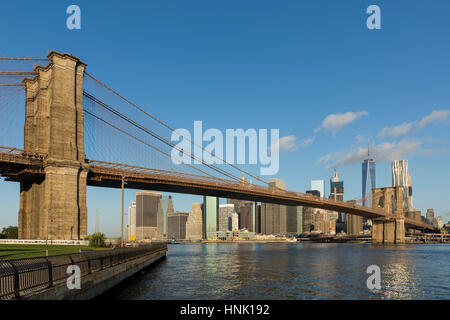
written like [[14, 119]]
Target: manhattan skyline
[[330, 85]]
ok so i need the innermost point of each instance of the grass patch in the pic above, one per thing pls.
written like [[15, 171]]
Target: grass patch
[[19, 251]]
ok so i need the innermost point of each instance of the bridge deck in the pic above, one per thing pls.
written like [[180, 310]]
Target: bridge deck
[[16, 165]]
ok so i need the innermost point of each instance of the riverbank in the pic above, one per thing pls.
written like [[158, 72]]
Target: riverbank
[[21, 251]]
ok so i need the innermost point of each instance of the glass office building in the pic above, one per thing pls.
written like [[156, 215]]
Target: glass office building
[[210, 216], [368, 181], [318, 185]]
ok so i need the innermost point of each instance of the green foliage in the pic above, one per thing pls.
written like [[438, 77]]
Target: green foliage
[[10, 232], [97, 240]]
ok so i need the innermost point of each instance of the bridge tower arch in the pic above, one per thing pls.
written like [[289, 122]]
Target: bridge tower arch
[[53, 206], [391, 230]]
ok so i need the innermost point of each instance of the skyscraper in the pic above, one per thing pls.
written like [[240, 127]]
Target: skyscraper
[[318, 185], [210, 216], [166, 208], [228, 218], [194, 224], [368, 181], [176, 225], [402, 178], [273, 216], [337, 193], [247, 216], [147, 206], [294, 220]]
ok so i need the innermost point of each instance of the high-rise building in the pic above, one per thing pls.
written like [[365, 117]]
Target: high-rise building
[[402, 178], [147, 206], [165, 208], [440, 222], [247, 216], [430, 218], [308, 219], [430, 214], [176, 225], [294, 220], [147, 216], [337, 193], [131, 221], [273, 216], [354, 224], [210, 217], [258, 219], [228, 218], [237, 206], [368, 181], [318, 185], [194, 223]]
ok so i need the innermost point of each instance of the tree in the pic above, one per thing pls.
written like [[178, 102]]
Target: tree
[[10, 232], [97, 240]]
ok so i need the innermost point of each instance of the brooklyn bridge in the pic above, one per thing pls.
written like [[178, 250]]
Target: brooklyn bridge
[[79, 132]]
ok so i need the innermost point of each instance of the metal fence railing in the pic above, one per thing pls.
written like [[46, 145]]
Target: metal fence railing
[[21, 276]]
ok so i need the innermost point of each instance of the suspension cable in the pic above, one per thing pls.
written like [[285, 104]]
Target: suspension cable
[[155, 135], [171, 129], [142, 141]]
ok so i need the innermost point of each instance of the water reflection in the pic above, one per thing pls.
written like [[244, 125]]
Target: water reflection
[[294, 271]]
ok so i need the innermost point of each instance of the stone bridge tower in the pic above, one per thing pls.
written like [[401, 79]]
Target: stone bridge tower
[[54, 205], [391, 230]]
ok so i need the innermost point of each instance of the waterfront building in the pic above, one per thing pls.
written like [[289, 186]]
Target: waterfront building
[[273, 216], [354, 224], [294, 220], [228, 218], [176, 222], [165, 208], [308, 219], [247, 216], [237, 205], [194, 223], [318, 185], [210, 216], [402, 178], [147, 206], [258, 219]]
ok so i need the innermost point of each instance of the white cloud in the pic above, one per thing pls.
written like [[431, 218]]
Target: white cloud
[[335, 122], [396, 131], [435, 116], [286, 143], [386, 151], [406, 127]]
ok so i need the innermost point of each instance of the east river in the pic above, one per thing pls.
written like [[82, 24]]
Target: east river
[[293, 271]]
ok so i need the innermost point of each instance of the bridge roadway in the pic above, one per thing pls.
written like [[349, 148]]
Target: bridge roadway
[[18, 165]]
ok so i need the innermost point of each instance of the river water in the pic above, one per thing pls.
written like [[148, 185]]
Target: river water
[[294, 271]]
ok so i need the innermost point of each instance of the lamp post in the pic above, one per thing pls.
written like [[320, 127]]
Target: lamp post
[[121, 225]]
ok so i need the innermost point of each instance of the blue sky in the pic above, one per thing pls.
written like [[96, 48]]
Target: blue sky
[[293, 65]]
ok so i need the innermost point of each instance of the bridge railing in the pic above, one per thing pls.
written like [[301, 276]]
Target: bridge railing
[[22, 276], [15, 155]]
